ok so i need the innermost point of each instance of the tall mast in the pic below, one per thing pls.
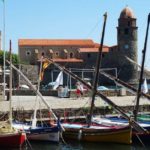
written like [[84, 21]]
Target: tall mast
[[4, 54], [141, 74], [97, 71], [10, 86]]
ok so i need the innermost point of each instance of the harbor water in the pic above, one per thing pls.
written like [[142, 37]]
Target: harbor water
[[73, 145]]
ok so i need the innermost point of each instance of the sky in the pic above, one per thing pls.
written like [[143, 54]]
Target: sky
[[70, 19]]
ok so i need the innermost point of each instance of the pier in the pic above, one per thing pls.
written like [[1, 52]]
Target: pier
[[28, 102]]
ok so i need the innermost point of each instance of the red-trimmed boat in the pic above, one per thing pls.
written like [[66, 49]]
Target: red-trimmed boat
[[97, 133], [9, 137]]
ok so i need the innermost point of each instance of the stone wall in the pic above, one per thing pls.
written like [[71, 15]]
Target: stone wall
[[31, 72], [72, 93]]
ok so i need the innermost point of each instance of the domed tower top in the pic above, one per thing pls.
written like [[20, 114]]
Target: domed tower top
[[127, 13]]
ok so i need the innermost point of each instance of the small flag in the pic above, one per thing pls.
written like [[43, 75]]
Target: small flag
[[46, 64], [59, 80], [144, 86]]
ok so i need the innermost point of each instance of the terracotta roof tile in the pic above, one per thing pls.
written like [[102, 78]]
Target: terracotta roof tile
[[97, 45], [54, 42]]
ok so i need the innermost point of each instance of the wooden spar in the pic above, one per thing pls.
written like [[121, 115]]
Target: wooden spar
[[142, 69], [122, 83], [97, 72], [133, 123], [146, 71]]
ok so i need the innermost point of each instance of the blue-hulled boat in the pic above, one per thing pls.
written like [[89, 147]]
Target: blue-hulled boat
[[41, 132]]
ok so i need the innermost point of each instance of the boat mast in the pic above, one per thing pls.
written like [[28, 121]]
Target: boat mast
[[10, 86], [135, 111], [4, 54], [98, 63], [38, 88]]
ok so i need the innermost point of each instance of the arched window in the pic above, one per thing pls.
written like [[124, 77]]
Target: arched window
[[51, 55], [57, 54], [43, 54], [88, 55], [103, 55], [71, 55], [129, 23]]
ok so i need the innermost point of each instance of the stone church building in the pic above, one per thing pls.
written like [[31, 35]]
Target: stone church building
[[82, 53]]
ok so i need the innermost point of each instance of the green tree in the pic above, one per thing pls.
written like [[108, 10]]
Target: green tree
[[15, 59]]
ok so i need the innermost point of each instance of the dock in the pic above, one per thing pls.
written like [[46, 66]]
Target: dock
[[28, 102]]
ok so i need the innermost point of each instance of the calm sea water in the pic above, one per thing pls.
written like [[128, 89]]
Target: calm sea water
[[81, 146]]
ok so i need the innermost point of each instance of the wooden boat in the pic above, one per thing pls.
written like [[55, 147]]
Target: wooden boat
[[11, 137], [120, 121], [97, 133], [41, 132]]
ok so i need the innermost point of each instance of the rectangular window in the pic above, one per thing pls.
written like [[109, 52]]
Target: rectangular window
[[50, 51], [36, 51]]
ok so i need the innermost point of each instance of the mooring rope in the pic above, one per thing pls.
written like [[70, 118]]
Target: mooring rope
[[27, 141], [141, 141], [61, 136]]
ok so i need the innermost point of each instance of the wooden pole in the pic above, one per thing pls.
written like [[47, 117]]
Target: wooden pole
[[10, 86], [98, 63], [142, 69]]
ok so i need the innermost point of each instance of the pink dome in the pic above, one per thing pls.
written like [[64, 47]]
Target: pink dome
[[127, 13]]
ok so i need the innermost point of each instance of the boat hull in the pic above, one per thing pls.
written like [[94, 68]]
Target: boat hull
[[39, 133], [43, 134], [12, 139], [136, 137], [122, 135]]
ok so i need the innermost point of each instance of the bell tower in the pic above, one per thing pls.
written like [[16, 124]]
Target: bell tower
[[127, 44]]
